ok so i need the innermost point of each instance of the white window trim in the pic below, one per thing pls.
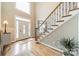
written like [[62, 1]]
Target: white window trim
[[22, 19]]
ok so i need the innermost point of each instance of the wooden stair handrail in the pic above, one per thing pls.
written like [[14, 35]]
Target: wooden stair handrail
[[50, 14]]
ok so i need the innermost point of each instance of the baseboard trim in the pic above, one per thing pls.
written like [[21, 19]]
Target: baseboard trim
[[52, 47]]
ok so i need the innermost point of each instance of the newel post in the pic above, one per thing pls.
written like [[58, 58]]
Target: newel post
[[36, 36]]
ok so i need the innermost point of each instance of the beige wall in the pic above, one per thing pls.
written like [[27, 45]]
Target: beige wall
[[43, 9], [0, 15], [78, 28], [30, 17], [33, 19], [38, 11], [8, 13]]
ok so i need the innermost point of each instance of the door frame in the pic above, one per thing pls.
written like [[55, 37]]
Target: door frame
[[22, 19]]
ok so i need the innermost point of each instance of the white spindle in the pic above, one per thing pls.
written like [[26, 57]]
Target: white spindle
[[60, 12], [48, 23], [77, 4], [46, 26], [63, 8], [67, 8], [43, 28], [54, 17], [51, 19], [72, 6]]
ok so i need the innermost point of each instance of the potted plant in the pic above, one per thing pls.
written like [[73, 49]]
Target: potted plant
[[70, 46]]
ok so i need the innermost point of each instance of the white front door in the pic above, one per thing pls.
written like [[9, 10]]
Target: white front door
[[23, 29]]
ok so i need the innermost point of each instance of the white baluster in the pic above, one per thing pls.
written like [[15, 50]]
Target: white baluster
[[46, 26], [77, 4], [60, 12], [49, 22], [54, 18], [51, 19], [67, 8], [72, 6], [63, 8]]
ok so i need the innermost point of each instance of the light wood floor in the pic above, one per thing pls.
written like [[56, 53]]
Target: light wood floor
[[30, 48]]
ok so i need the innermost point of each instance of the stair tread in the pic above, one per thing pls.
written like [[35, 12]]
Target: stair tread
[[55, 25], [60, 21], [43, 34], [66, 16], [50, 28], [74, 9]]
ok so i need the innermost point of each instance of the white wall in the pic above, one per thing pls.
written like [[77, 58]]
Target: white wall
[[68, 29]]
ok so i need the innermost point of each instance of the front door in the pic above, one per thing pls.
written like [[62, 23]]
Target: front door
[[23, 29]]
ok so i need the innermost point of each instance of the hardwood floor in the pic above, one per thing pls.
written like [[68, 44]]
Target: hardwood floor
[[40, 49], [30, 48]]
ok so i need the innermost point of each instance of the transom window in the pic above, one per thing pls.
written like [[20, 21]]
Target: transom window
[[23, 6]]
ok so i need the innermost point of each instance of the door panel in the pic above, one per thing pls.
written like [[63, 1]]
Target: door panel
[[23, 29]]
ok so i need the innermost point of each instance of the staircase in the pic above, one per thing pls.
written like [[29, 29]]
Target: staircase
[[61, 14]]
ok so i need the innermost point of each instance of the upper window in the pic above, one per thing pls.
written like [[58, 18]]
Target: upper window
[[23, 6]]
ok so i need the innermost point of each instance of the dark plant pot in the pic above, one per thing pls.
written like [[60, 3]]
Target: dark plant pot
[[68, 54]]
